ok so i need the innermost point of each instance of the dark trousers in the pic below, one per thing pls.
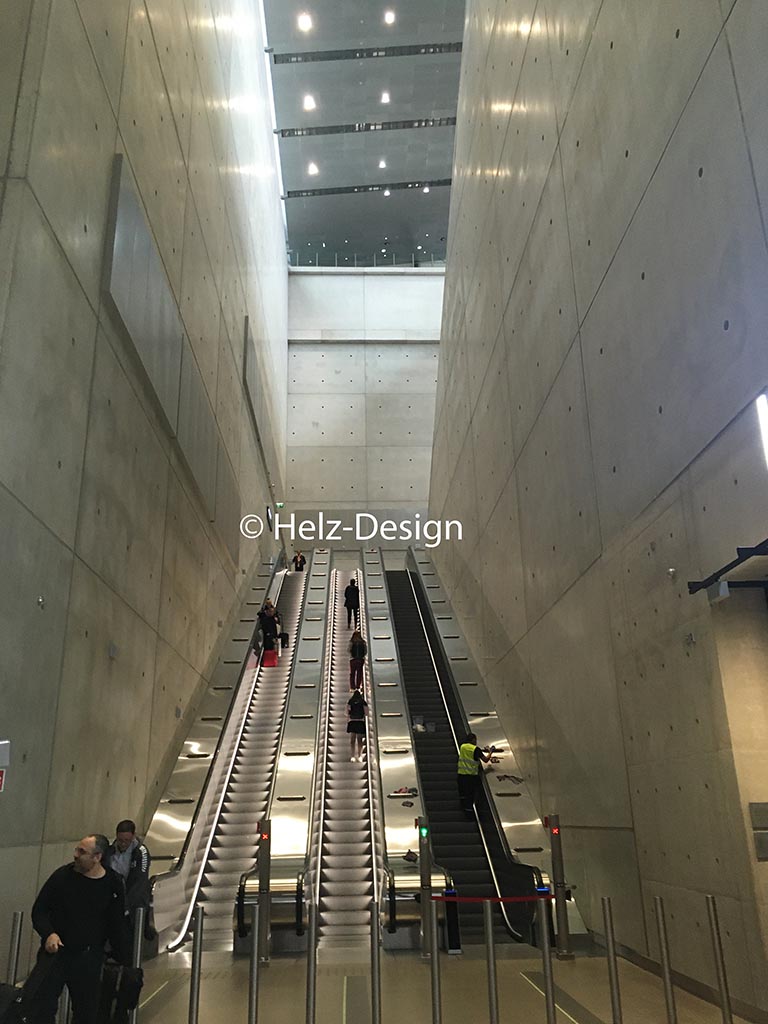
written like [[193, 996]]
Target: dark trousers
[[356, 673], [81, 973], [468, 786], [350, 612]]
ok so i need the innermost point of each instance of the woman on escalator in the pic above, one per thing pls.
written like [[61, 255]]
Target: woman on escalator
[[358, 650], [356, 710]]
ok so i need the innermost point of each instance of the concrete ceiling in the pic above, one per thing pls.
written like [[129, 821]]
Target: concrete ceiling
[[347, 86]]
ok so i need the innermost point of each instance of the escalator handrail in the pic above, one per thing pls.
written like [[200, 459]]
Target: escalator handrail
[[214, 757], [508, 924], [502, 836], [180, 937], [372, 744], [247, 876]]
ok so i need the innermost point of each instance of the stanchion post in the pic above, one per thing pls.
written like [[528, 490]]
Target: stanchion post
[[717, 949], [563, 936], [253, 971], [613, 968], [265, 888], [490, 953], [138, 935], [666, 971], [15, 947], [312, 964], [197, 959], [546, 959], [375, 966], [437, 1009]]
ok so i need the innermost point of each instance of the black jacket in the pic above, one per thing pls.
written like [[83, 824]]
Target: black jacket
[[56, 910], [352, 597], [137, 889], [358, 649]]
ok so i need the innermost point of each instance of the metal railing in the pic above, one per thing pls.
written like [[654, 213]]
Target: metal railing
[[352, 260]]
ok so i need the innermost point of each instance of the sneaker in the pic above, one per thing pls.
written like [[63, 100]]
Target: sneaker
[[353, 759]]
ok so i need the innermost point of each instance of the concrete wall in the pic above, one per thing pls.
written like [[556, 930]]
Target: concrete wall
[[603, 342], [115, 583], [362, 372]]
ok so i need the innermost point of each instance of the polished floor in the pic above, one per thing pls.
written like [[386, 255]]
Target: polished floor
[[343, 992]]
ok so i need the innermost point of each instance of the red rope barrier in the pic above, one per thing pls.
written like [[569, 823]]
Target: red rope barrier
[[493, 899]]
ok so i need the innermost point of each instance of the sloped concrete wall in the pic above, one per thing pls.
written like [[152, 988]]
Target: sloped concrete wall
[[603, 342], [115, 584]]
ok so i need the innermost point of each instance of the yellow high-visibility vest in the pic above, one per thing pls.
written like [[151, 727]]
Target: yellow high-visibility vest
[[467, 763]]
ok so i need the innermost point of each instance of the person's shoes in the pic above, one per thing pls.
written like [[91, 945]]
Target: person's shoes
[[352, 759]]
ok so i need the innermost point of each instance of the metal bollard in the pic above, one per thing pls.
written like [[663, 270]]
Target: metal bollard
[[197, 958], [490, 952], [437, 1009], [138, 935], [15, 947], [717, 949], [253, 973], [312, 965], [666, 972], [613, 968], [375, 966], [546, 956]]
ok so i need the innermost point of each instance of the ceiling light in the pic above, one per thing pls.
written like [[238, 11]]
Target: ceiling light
[[304, 22], [389, 17], [382, 164], [384, 251], [323, 244], [418, 247], [346, 241], [387, 192], [427, 235], [385, 97], [425, 189], [313, 169], [309, 102]]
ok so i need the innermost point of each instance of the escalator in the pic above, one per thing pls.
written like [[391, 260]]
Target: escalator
[[346, 848], [234, 844], [472, 851]]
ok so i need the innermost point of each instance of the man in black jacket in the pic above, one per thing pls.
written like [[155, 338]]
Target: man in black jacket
[[129, 858], [352, 603], [79, 909]]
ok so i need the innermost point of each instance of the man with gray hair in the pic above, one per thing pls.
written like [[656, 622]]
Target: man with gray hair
[[79, 909]]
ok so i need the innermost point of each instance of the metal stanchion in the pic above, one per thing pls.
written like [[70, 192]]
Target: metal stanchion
[[312, 964], [138, 935], [666, 972], [197, 958], [546, 957], [613, 968], [15, 947], [717, 949], [490, 953], [375, 966], [437, 1009], [253, 973]]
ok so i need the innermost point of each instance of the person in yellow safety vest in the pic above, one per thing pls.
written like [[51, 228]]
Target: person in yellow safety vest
[[468, 769]]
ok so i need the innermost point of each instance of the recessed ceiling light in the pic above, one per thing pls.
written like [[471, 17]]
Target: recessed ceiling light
[[382, 164], [427, 235], [387, 192], [309, 102], [346, 241], [418, 247], [425, 189], [389, 17], [385, 97], [384, 251], [304, 22], [323, 244], [313, 169]]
